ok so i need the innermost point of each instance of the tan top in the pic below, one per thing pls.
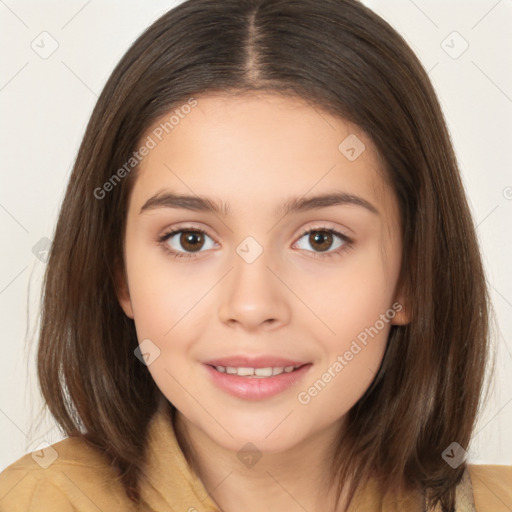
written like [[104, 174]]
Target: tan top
[[69, 476]]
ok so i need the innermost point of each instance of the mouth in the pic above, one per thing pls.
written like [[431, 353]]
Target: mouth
[[255, 379]]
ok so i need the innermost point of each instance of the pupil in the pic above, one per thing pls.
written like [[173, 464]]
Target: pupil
[[321, 237]]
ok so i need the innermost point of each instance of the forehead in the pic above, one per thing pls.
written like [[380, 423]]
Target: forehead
[[258, 147]]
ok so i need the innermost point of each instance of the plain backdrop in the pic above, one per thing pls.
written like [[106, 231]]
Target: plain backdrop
[[55, 59]]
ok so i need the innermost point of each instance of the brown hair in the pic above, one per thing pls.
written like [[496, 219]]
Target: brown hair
[[345, 59]]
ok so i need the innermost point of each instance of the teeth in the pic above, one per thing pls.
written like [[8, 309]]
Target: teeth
[[256, 372], [245, 372], [263, 372]]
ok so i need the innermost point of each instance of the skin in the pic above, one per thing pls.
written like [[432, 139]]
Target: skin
[[254, 152]]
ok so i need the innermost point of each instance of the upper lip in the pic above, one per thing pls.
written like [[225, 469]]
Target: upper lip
[[254, 362]]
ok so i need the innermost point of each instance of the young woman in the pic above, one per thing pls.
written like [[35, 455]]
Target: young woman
[[265, 290]]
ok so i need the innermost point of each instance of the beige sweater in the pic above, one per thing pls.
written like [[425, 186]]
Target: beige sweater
[[79, 479]]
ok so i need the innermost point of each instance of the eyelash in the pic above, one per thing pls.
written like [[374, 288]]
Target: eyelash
[[348, 242]]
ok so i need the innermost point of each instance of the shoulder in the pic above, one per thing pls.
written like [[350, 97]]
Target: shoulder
[[492, 487], [65, 476]]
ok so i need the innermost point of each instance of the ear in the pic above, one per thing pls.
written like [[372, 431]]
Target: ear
[[122, 291], [401, 308]]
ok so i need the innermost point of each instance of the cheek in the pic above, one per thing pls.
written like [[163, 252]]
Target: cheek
[[353, 356], [162, 293], [358, 315], [166, 300], [340, 385], [349, 297]]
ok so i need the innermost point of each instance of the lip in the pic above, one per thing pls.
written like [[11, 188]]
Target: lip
[[253, 388]]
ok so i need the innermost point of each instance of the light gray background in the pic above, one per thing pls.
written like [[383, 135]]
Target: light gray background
[[45, 104]]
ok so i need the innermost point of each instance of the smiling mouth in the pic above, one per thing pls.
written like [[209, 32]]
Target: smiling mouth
[[258, 382], [257, 373]]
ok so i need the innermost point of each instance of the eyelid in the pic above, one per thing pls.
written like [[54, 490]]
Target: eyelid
[[321, 226], [317, 225], [347, 242], [187, 227]]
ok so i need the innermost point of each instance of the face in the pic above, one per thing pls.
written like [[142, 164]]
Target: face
[[256, 273]]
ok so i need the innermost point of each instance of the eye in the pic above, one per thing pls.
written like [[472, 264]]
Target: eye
[[323, 240], [191, 240]]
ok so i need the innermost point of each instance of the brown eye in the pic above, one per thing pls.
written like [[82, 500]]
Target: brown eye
[[186, 242], [324, 240]]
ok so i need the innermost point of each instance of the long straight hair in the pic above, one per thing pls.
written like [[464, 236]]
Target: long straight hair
[[341, 57]]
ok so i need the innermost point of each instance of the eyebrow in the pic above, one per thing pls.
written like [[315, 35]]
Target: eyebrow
[[295, 204]]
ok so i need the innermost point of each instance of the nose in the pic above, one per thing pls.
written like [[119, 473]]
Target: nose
[[254, 296]]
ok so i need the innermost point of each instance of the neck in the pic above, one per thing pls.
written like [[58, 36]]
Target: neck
[[293, 480]]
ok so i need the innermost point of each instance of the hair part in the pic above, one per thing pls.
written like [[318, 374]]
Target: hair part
[[343, 58]]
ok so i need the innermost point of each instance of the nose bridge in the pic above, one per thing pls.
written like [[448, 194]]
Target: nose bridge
[[253, 295]]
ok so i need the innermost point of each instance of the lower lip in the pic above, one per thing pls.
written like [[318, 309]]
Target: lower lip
[[256, 388]]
